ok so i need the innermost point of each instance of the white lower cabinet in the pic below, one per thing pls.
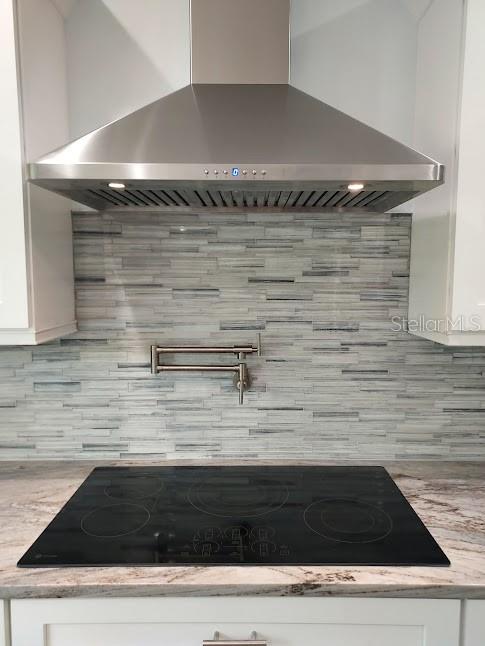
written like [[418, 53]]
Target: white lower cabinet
[[474, 623], [3, 624], [278, 621]]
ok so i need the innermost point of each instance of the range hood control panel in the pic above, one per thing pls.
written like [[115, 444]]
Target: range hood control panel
[[234, 171]]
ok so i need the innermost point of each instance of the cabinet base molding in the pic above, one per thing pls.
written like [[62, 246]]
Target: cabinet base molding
[[31, 336]]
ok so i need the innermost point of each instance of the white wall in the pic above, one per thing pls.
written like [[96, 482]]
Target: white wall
[[123, 54], [44, 76], [360, 57]]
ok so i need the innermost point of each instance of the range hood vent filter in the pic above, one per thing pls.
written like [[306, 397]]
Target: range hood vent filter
[[210, 198]]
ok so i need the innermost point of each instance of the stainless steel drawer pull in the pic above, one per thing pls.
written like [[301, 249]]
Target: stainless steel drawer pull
[[217, 641]]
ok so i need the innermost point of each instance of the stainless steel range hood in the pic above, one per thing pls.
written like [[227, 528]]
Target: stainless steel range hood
[[239, 137]]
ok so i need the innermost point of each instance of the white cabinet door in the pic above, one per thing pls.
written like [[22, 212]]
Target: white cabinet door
[[280, 622], [36, 269], [468, 287], [3, 624], [447, 289], [474, 623], [14, 298]]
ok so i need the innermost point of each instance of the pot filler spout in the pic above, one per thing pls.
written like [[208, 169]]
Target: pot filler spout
[[239, 136]]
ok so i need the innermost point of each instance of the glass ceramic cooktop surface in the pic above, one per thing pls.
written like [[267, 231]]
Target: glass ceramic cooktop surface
[[251, 515]]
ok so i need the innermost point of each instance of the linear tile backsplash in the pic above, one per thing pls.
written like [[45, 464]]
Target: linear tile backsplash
[[335, 380]]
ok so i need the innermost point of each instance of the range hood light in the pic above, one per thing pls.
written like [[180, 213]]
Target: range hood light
[[119, 185], [355, 187]]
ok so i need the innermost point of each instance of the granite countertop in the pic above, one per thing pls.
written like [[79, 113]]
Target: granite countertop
[[449, 497]]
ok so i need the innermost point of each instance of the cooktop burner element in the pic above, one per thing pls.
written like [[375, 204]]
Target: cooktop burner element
[[240, 497], [114, 521], [236, 515], [134, 487], [348, 521]]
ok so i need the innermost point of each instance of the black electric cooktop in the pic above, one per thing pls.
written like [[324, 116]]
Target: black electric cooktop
[[253, 515]]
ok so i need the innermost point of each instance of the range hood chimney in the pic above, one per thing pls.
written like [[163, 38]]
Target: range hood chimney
[[239, 136]]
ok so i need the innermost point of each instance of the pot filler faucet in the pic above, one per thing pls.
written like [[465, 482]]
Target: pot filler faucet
[[241, 377]]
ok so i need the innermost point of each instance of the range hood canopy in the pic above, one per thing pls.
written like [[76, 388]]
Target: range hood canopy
[[248, 143]]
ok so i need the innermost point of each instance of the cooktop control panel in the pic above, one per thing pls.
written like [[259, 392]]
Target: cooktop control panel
[[238, 541]]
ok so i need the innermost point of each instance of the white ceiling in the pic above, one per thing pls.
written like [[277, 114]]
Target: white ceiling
[[64, 6]]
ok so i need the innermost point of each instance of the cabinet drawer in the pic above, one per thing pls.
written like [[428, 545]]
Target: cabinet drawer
[[279, 622], [195, 634]]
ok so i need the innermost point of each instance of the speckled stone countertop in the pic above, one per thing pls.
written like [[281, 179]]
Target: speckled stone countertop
[[449, 497]]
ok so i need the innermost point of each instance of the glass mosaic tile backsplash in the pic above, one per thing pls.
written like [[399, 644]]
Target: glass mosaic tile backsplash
[[336, 379]]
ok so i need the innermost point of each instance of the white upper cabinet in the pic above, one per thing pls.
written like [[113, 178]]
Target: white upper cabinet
[[36, 272], [447, 285]]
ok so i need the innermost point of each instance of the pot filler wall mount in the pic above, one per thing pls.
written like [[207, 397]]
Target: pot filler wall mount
[[241, 378], [239, 136]]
